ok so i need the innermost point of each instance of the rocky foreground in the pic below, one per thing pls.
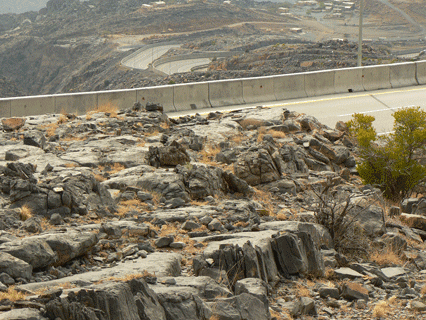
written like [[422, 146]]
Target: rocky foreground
[[131, 214]]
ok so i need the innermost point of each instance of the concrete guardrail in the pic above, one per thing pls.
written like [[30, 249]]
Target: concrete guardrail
[[421, 72], [289, 86], [219, 93], [318, 83], [376, 77], [403, 74], [348, 80], [258, 90]]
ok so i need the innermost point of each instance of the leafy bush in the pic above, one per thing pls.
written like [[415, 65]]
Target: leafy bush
[[390, 162]]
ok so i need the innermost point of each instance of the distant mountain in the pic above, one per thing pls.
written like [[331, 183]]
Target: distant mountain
[[20, 6]]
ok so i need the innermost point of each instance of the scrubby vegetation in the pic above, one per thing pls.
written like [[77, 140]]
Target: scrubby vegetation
[[390, 162]]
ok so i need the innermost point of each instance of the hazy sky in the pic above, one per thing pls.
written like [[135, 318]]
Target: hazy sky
[[19, 6]]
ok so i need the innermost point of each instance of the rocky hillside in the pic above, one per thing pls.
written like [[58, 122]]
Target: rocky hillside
[[21, 6], [130, 214]]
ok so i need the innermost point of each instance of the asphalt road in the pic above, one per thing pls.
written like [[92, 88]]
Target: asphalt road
[[329, 109], [182, 65], [144, 58]]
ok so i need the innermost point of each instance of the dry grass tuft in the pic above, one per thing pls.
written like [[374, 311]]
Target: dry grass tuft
[[423, 290], [199, 203], [386, 257], [25, 213], [71, 165], [50, 128], [62, 119], [208, 154], [99, 177], [276, 134], [129, 205], [283, 315], [112, 168], [381, 309], [329, 273], [238, 138], [356, 287], [302, 291], [250, 122], [12, 294], [265, 198], [108, 108]]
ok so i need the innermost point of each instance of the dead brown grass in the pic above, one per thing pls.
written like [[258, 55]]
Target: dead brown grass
[[265, 198], [75, 138], [302, 291], [209, 153], [381, 309], [199, 203], [108, 108], [423, 290], [386, 257], [12, 294], [25, 213], [70, 165], [50, 128], [356, 287], [99, 177], [238, 138], [126, 206], [112, 168], [62, 119], [276, 134], [254, 123], [284, 315]]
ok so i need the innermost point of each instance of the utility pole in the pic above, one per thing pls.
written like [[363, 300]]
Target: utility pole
[[361, 9]]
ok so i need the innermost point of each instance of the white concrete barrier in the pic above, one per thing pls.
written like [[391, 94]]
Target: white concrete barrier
[[161, 94], [289, 86], [421, 72], [226, 93], [403, 74], [258, 90], [5, 108], [348, 80], [191, 96], [78, 103], [376, 77], [319, 83], [30, 106], [122, 99]]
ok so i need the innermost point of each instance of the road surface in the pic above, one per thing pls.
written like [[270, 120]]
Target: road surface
[[339, 107], [145, 57], [182, 65]]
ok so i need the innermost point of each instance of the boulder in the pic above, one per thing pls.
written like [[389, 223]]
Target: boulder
[[69, 245], [297, 254], [35, 138], [256, 166], [22, 314], [34, 251], [241, 307], [147, 303], [171, 155], [14, 267], [12, 124], [114, 301], [184, 305], [254, 286], [414, 220]]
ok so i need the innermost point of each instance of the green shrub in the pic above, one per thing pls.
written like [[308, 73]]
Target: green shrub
[[390, 162]]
